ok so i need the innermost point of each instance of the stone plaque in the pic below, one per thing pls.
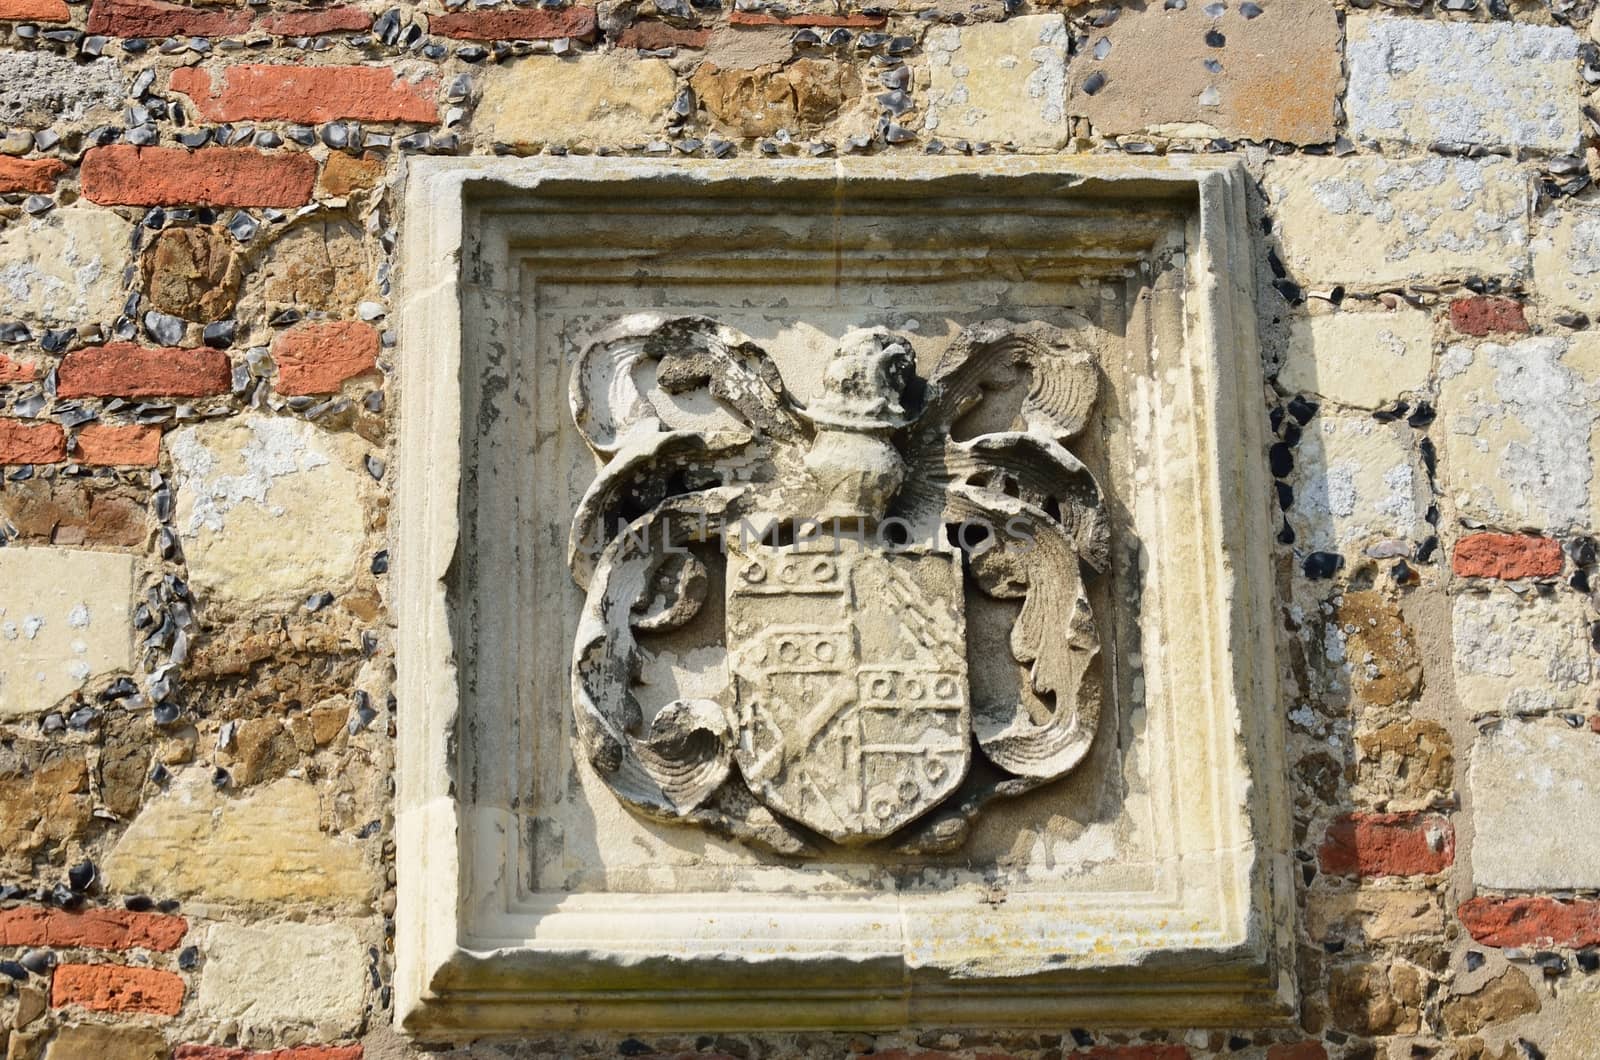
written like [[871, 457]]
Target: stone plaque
[[829, 596]]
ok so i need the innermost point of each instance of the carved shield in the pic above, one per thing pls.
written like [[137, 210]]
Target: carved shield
[[850, 681]]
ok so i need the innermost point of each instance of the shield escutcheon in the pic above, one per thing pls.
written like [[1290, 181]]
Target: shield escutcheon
[[850, 681]]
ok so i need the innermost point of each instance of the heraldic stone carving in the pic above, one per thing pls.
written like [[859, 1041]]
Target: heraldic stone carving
[[843, 535]]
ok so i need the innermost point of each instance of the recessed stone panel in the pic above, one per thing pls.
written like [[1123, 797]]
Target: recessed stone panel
[[783, 577]]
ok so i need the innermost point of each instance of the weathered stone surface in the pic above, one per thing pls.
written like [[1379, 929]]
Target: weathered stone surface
[[192, 272], [1519, 653], [800, 96], [265, 846], [1376, 998], [326, 989], [606, 98], [1379, 648], [1405, 765], [1534, 788], [1375, 221], [41, 86], [65, 266], [736, 48], [44, 801], [317, 267], [343, 175], [52, 511], [1278, 76], [1373, 915], [270, 510], [1356, 480], [1518, 446], [65, 617], [1489, 83], [1566, 259], [82, 1041], [1363, 360], [1001, 82], [1504, 997]]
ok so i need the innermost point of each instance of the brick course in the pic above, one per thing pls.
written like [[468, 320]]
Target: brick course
[[31, 443], [123, 369], [117, 988], [1388, 844], [1507, 556], [98, 929], [306, 94], [211, 176]]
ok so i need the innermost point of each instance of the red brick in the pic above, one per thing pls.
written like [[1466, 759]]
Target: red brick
[[761, 18], [31, 443], [531, 24], [1532, 922], [1507, 556], [344, 19], [1136, 1052], [1297, 1051], [17, 371], [37, 175], [95, 929], [152, 18], [34, 11], [303, 1052], [1481, 315], [122, 369], [306, 94], [653, 34], [106, 445], [212, 176], [317, 358], [1388, 844], [117, 988]]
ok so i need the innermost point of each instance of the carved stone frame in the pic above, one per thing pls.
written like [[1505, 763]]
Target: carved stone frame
[[478, 954]]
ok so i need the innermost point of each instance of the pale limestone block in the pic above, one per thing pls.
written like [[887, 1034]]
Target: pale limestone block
[[1520, 653], [1566, 259], [1000, 81], [1492, 83], [43, 86], [1375, 221], [65, 617], [66, 266], [1518, 444], [194, 842], [605, 99], [268, 976], [1359, 359], [1148, 72], [1535, 786], [1356, 480], [269, 509], [1374, 916]]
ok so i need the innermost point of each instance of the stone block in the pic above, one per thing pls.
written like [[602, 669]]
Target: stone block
[[1380, 221], [1372, 915], [264, 847], [65, 618], [1363, 360], [42, 87], [1355, 481], [1379, 648], [44, 801], [83, 1041], [1566, 259], [1003, 82], [269, 510], [1405, 765], [1275, 75], [1506, 996], [324, 973], [1493, 84], [800, 97], [1535, 785], [607, 99], [66, 266], [1519, 653], [1518, 445]]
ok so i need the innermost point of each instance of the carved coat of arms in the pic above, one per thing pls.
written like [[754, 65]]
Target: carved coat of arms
[[843, 535]]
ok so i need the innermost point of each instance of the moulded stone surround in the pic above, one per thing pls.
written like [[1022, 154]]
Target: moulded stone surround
[[1151, 886]]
